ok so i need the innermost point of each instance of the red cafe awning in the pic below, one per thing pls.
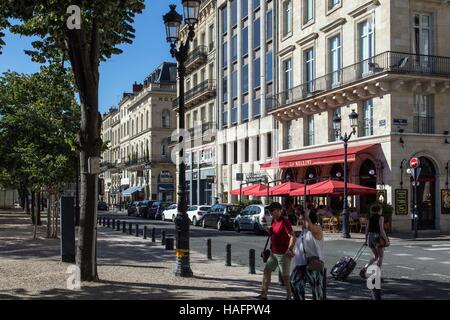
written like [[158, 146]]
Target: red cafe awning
[[316, 158], [249, 190], [333, 188], [281, 189]]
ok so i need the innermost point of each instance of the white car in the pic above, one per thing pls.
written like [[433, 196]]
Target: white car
[[195, 213], [170, 213], [254, 218]]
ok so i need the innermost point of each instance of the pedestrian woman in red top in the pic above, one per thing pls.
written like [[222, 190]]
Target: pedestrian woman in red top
[[282, 245]]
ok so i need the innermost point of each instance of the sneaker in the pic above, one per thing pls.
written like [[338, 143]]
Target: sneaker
[[260, 297]]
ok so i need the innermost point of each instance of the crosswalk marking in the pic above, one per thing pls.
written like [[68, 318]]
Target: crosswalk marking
[[437, 275], [404, 267], [436, 249], [445, 262], [440, 245], [425, 258], [402, 254]]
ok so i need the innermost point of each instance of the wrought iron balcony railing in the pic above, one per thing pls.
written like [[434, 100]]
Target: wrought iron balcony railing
[[386, 62], [204, 90], [196, 57]]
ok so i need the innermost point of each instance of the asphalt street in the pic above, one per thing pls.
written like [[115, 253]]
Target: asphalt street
[[412, 269]]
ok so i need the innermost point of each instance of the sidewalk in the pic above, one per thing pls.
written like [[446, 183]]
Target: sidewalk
[[129, 268]]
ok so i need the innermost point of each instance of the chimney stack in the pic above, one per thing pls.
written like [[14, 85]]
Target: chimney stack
[[137, 87]]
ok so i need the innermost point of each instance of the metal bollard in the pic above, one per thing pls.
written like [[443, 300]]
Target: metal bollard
[[130, 228], [137, 230], [208, 249], [154, 235], [118, 225], [124, 226], [228, 259], [114, 224], [324, 287], [145, 232], [107, 223], [170, 243], [251, 262], [163, 237]]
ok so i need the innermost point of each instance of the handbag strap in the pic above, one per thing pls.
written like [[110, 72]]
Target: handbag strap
[[267, 242]]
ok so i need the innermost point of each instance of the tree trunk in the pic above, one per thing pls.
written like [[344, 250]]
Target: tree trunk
[[49, 216], [35, 213], [38, 208], [33, 195]]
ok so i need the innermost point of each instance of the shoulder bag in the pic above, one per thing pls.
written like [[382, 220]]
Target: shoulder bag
[[312, 263], [265, 254]]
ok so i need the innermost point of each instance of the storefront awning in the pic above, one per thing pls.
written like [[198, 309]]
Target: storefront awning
[[166, 187], [130, 191], [316, 158]]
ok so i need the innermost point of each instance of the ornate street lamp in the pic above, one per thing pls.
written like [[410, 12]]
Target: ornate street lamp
[[172, 21], [337, 120]]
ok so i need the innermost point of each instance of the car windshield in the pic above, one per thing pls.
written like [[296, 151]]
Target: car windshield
[[204, 208], [192, 208], [234, 210]]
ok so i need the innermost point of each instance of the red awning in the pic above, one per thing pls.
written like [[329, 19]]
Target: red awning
[[237, 192], [281, 189], [316, 158], [333, 188], [259, 188]]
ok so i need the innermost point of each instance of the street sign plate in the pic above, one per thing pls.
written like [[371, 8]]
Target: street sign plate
[[414, 162]]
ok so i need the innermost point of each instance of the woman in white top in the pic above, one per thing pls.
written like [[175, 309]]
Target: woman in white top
[[309, 244]]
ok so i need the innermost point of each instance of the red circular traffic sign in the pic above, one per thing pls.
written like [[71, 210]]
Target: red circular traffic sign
[[414, 162]]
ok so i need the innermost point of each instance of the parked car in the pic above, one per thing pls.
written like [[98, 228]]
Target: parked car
[[170, 213], [196, 213], [255, 218], [102, 206], [144, 208], [156, 210], [132, 208], [221, 216]]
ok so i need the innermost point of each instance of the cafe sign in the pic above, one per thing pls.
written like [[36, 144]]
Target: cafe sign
[[445, 201], [401, 202], [255, 177]]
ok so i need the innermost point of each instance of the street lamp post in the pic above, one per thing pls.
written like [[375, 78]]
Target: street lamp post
[[345, 138], [172, 21]]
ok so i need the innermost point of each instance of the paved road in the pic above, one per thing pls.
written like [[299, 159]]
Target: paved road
[[412, 269]]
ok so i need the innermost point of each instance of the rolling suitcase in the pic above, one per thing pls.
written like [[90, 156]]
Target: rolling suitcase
[[345, 266]]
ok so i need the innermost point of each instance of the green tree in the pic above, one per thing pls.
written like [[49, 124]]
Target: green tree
[[105, 25], [38, 118]]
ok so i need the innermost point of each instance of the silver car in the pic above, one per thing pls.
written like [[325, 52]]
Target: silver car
[[255, 218]]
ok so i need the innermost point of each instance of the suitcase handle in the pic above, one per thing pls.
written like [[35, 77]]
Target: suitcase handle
[[360, 252]]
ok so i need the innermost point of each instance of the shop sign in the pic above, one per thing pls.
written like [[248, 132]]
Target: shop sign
[[401, 201], [445, 201]]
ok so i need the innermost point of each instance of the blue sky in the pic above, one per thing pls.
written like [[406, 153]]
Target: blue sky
[[119, 73]]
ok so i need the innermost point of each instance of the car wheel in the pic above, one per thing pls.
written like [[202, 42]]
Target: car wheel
[[203, 223], [219, 225], [237, 228], [194, 221]]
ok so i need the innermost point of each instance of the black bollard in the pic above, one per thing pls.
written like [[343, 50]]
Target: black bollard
[[118, 225], [137, 230], [324, 287], [145, 232], [107, 223], [154, 235], [228, 260], [114, 224], [251, 262], [170, 243], [130, 228], [208, 249], [124, 226], [163, 237]]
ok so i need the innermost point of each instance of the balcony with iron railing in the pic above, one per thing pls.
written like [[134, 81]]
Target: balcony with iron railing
[[383, 64], [196, 58], [202, 92]]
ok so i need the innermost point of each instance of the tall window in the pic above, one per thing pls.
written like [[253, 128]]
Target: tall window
[[366, 44], [269, 66], [235, 153], [165, 118], [308, 11], [424, 114], [224, 153], [368, 117], [257, 106], [225, 116], [245, 40], [224, 20], [234, 9], [334, 57], [287, 17], [225, 54], [256, 33], [269, 145], [287, 79], [422, 40], [244, 4], [234, 80], [225, 89], [244, 111], [309, 69], [310, 130], [269, 24], [247, 150], [333, 3], [288, 136], [234, 114], [244, 78], [234, 54], [257, 72]]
